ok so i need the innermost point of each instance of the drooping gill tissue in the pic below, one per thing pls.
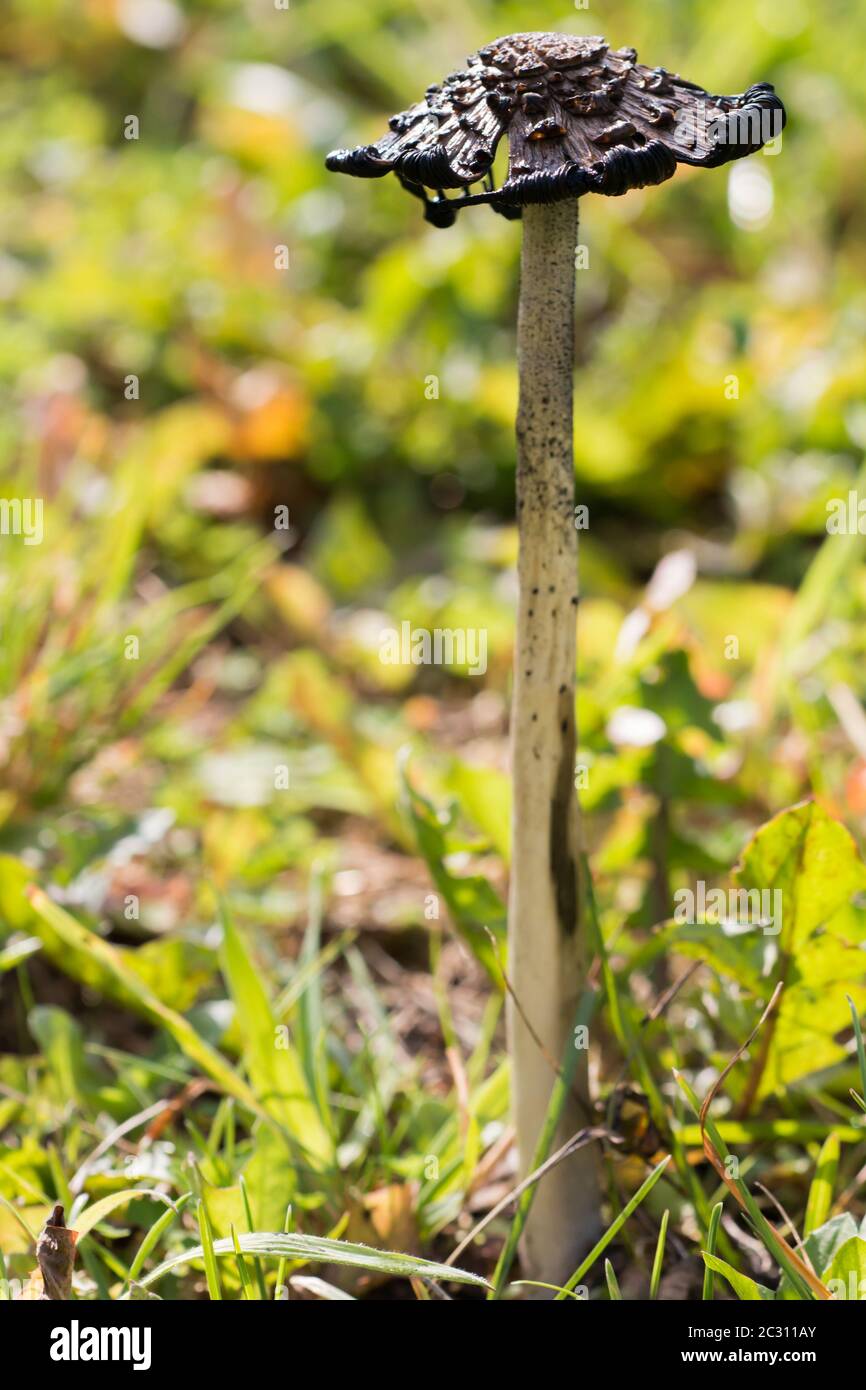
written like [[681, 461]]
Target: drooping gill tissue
[[580, 117]]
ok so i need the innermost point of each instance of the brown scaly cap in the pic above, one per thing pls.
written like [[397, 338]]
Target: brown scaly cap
[[581, 118]]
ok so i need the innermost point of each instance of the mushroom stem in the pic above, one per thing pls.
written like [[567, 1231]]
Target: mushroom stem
[[544, 937]]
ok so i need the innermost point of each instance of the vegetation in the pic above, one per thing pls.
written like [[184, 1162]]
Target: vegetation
[[253, 876]]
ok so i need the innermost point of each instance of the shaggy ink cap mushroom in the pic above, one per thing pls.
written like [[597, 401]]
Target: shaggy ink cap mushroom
[[580, 117]]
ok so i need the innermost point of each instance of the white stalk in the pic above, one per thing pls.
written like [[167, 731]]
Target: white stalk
[[544, 937]]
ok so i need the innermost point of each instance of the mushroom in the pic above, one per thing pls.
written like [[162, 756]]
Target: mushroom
[[580, 117]]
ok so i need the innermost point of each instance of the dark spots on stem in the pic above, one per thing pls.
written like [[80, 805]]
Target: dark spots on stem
[[563, 867]]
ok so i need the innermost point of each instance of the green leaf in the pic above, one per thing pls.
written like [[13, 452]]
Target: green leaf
[[269, 1179], [177, 971], [91, 1216], [472, 903], [821, 1246], [484, 794], [812, 863], [800, 1044], [745, 1288], [737, 954], [845, 1277], [812, 860]]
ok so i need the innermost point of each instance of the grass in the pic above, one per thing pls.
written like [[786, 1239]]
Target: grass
[[234, 1116]]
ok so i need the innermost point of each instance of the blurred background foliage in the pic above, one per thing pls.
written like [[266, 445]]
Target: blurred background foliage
[[201, 326]]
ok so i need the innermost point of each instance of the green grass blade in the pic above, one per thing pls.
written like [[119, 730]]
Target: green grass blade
[[311, 1031], [760, 1222], [610, 1279], [631, 1206], [61, 1186], [861, 1050], [304, 973], [271, 1060], [658, 1261], [551, 1288], [320, 1249], [257, 1264], [155, 1234], [205, 1251], [821, 1191], [281, 1267], [242, 1266]]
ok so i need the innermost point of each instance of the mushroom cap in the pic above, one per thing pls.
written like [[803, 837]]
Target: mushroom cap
[[581, 117]]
